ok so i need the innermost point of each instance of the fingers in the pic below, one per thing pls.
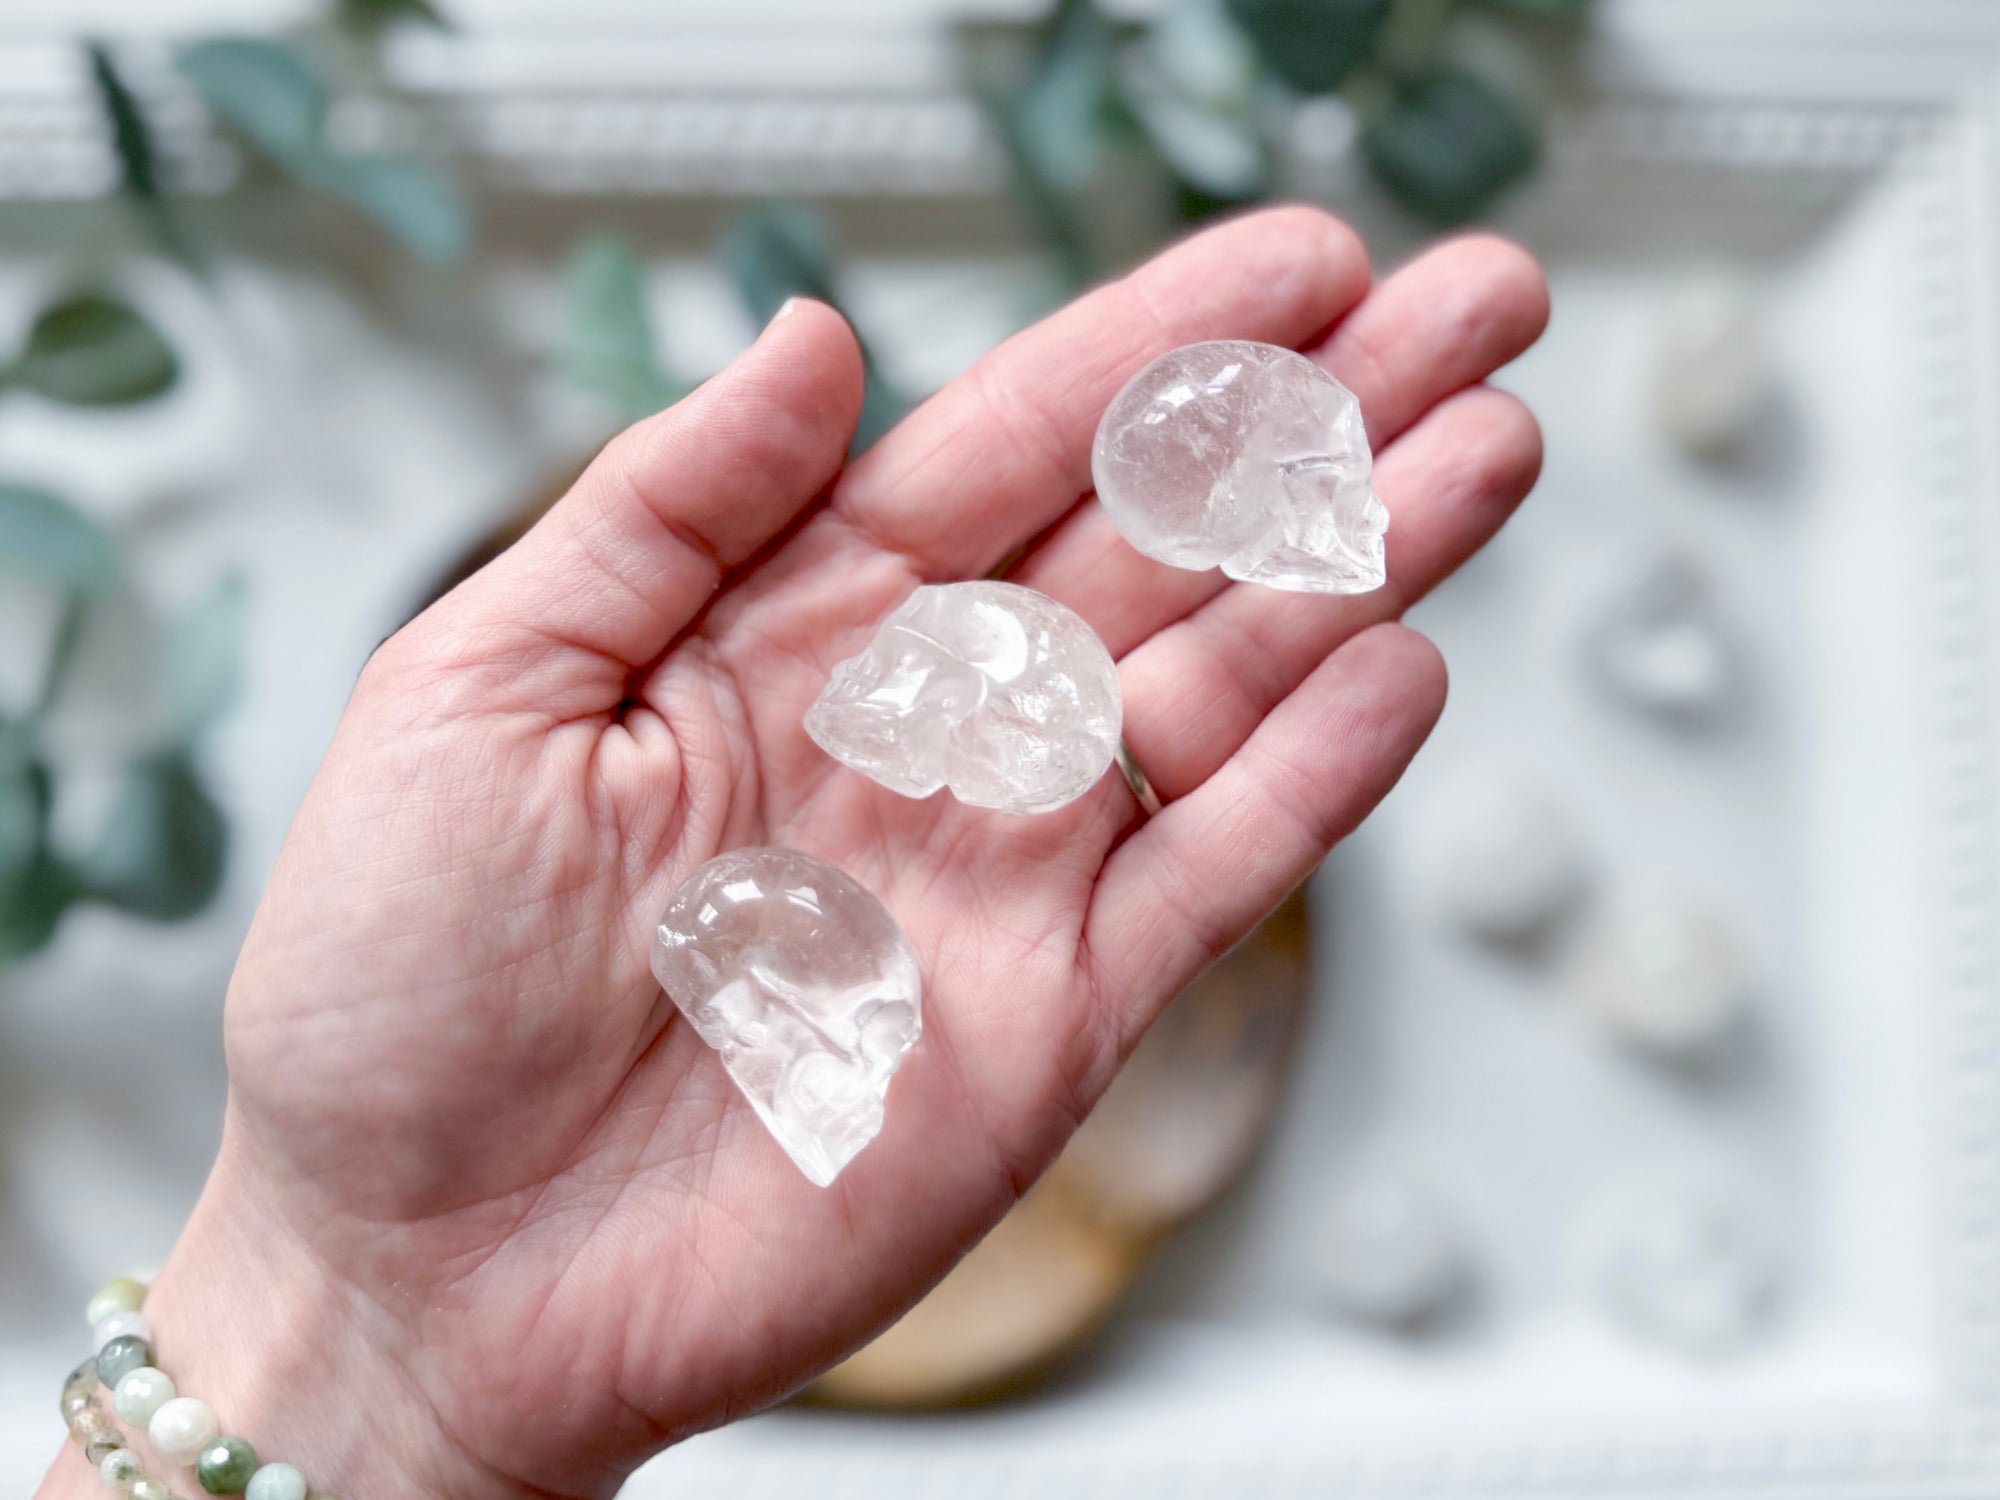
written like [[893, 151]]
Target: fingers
[[615, 570], [1004, 450], [1195, 878], [1445, 321], [1448, 319], [1198, 689], [1124, 595]]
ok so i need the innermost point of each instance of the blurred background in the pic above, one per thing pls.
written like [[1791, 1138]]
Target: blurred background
[[1618, 1112]]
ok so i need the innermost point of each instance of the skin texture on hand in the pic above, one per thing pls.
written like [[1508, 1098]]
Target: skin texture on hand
[[487, 1219]]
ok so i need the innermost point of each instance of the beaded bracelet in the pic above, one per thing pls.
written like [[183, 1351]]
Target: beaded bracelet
[[179, 1427]]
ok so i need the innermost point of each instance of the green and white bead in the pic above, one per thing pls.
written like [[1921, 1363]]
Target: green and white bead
[[121, 1357], [182, 1428], [93, 1425], [224, 1467], [120, 1467], [79, 1389], [141, 1393], [102, 1448]]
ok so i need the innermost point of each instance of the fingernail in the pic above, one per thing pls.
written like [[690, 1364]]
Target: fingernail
[[790, 306]]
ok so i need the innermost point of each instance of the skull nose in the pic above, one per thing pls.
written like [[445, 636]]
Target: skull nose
[[886, 1033]]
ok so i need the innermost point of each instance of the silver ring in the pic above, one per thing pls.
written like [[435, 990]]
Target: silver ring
[[1142, 789]]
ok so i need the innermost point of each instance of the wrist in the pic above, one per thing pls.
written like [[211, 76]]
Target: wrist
[[246, 1318]]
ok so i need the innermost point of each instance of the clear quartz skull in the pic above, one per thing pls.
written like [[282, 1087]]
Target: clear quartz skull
[[991, 689], [1245, 457], [804, 983]]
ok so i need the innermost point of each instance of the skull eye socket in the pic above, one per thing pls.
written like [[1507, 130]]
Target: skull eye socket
[[885, 1034]]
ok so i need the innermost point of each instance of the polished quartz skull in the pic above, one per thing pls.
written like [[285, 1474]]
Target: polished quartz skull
[[991, 689], [806, 986], [1245, 457]]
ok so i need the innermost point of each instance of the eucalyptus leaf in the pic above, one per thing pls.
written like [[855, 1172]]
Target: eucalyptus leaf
[[130, 135], [419, 204], [95, 351], [1199, 49], [366, 17], [33, 906], [1060, 115], [262, 91], [24, 805], [204, 661], [163, 852], [1559, 10], [777, 251], [45, 535], [1195, 205], [783, 250], [609, 344], [1054, 128], [138, 157], [1219, 154], [267, 94], [76, 611], [1449, 146], [1051, 215], [34, 888], [1312, 44]]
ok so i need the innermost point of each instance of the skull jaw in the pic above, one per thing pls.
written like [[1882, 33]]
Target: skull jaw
[[1316, 557]]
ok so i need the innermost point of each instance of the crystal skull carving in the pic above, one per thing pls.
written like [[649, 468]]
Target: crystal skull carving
[[807, 987], [1245, 457], [988, 688]]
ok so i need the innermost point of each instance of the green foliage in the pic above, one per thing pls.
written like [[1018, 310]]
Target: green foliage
[[1062, 113], [1091, 101], [1053, 128], [1442, 141], [204, 661], [1051, 216], [779, 251], [271, 98], [1557, 10], [138, 158], [46, 537], [34, 887], [131, 137], [24, 805], [783, 250], [263, 91], [418, 204], [94, 351], [1192, 88], [32, 906], [162, 853], [1312, 44], [610, 342], [368, 17], [1449, 146], [1217, 158]]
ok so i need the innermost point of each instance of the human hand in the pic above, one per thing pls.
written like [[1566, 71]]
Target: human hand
[[487, 1218]]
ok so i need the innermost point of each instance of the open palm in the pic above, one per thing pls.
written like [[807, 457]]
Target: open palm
[[472, 1159]]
